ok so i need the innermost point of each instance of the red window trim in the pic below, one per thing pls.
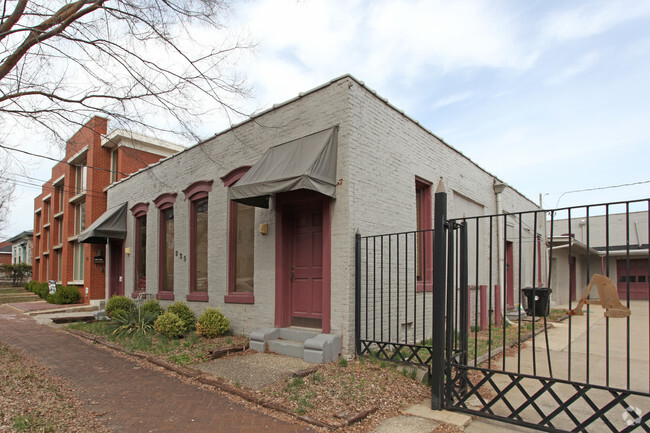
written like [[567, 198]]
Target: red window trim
[[234, 175], [139, 209], [198, 190], [166, 200], [425, 223], [163, 202], [234, 297]]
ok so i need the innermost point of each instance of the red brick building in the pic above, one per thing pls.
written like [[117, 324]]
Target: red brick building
[[5, 253], [75, 197]]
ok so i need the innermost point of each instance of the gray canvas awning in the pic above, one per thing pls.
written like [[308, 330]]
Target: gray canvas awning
[[111, 225], [306, 163]]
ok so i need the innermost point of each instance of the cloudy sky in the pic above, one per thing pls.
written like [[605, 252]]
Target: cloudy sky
[[549, 96]]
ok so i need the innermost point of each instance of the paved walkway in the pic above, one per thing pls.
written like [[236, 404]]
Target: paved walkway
[[135, 399]]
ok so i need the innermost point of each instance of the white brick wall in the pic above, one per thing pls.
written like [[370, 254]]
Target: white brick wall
[[380, 153]]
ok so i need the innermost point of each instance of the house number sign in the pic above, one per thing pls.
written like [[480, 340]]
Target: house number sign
[[181, 256]]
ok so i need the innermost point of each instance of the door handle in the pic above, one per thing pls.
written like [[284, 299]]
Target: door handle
[[291, 276]]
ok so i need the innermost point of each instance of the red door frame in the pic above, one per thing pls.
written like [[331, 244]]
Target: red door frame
[[115, 286], [283, 235]]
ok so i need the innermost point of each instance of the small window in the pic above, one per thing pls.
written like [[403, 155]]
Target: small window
[[81, 173], [114, 165], [200, 250], [141, 253], [59, 235], [622, 279], [632, 278], [642, 279], [166, 252], [59, 265], [424, 236], [139, 212], [59, 198], [197, 193], [243, 249], [78, 263], [79, 218], [241, 246]]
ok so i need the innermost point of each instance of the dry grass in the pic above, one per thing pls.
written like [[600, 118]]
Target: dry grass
[[33, 401], [341, 390]]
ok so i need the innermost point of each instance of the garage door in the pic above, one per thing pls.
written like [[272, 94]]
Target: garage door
[[637, 278]]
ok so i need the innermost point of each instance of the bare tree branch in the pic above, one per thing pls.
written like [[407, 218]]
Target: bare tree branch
[[157, 65]]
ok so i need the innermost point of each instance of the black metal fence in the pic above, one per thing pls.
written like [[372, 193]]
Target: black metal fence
[[576, 363], [468, 301], [394, 317]]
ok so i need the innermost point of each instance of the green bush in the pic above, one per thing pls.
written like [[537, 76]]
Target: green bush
[[170, 325], [41, 289], [64, 295], [116, 303], [132, 320], [184, 312], [17, 272], [212, 323], [153, 306]]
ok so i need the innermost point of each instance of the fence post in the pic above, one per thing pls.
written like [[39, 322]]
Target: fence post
[[357, 293], [485, 315], [464, 293], [497, 305], [439, 287]]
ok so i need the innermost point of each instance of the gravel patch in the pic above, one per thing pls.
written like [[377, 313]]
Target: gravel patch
[[255, 370]]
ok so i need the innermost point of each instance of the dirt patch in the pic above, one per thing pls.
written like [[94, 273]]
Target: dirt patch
[[338, 392], [32, 400]]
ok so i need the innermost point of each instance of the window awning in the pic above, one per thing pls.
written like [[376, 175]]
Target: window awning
[[111, 225], [306, 163]]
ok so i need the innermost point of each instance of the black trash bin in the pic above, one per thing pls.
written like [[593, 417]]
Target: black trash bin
[[537, 299]]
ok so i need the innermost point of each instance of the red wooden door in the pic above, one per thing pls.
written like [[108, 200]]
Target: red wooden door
[[637, 278], [510, 275], [116, 280], [306, 267]]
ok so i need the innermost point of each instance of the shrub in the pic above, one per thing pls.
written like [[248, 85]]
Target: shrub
[[64, 295], [17, 272], [184, 313], [212, 323], [118, 303], [41, 289], [153, 306], [132, 320], [170, 325]]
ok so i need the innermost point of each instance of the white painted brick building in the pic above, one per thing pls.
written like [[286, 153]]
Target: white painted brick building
[[381, 154]]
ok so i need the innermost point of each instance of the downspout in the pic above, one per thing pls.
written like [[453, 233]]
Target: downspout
[[498, 188]]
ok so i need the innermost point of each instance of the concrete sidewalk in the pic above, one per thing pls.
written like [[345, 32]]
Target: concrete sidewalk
[[134, 399], [589, 334]]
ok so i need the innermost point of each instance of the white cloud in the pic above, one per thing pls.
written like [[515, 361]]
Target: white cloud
[[583, 64], [592, 18], [382, 42], [453, 99]]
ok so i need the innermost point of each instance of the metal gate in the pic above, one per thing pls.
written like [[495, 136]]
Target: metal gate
[[479, 323]]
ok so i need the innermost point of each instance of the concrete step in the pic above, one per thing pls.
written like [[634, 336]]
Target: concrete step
[[287, 347], [304, 343], [297, 334]]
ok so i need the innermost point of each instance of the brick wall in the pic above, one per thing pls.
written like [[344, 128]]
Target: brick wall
[[98, 159]]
